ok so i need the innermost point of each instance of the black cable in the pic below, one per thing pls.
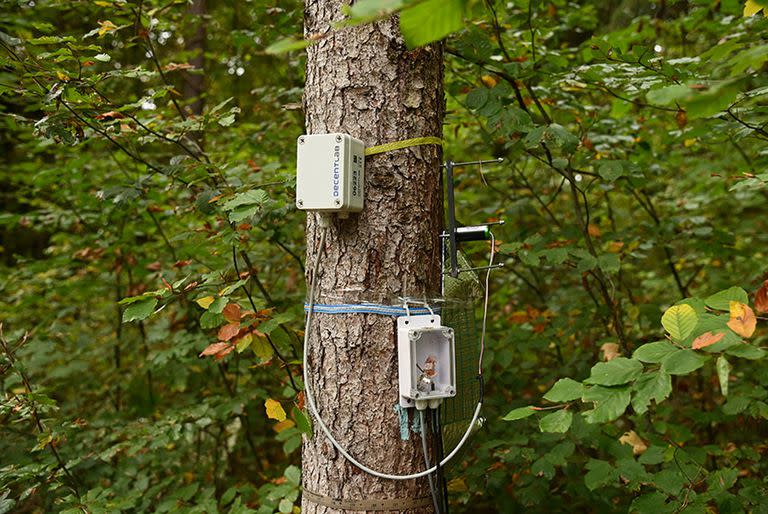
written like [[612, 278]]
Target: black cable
[[440, 471]]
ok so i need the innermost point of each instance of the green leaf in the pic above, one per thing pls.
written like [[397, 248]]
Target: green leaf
[[654, 353], [610, 170], [655, 502], [285, 506], [139, 310], [609, 403], [431, 20], [721, 301], [293, 474], [679, 321], [562, 138], [654, 385], [617, 371], [102, 57], [558, 422], [600, 474], [682, 362], [723, 370], [303, 422], [746, 351], [609, 262], [478, 97], [287, 44], [519, 413], [565, 390]]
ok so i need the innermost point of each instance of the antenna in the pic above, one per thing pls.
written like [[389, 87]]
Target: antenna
[[456, 234]]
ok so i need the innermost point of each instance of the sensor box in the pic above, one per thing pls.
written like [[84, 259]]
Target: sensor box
[[426, 360], [329, 173]]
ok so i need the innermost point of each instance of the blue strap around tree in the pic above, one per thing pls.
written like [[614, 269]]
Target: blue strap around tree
[[368, 308]]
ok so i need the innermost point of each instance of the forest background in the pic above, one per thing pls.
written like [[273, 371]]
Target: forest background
[[147, 158]]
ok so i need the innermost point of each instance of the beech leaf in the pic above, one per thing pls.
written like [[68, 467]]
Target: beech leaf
[[219, 350], [232, 313], [761, 298], [635, 441], [227, 332], [274, 410], [679, 321], [743, 320], [205, 301], [707, 339]]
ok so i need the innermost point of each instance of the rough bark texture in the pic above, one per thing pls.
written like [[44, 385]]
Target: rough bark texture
[[364, 82]]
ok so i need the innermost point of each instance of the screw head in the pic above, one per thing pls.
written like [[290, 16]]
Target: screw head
[[301, 140], [300, 203], [337, 202], [338, 139]]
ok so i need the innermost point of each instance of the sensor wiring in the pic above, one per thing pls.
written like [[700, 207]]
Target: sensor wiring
[[324, 223], [432, 489]]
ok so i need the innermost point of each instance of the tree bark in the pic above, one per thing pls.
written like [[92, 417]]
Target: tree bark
[[363, 81], [194, 83]]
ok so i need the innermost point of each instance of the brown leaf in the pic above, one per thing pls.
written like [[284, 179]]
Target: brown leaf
[[682, 119], [181, 264], [707, 339], [232, 313], [154, 266], [743, 320], [761, 298], [610, 351], [631, 438], [109, 115], [219, 350], [594, 230], [227, 332]]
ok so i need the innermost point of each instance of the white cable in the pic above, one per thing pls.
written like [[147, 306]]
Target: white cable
[[432, 489], [485, 305], [311, 401]]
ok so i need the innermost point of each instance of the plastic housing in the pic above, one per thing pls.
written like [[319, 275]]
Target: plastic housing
[[426, 359], [330, 173]]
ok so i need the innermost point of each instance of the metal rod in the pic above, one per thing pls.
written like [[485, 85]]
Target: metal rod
[[479, 268], [475, 163], [452, 218]]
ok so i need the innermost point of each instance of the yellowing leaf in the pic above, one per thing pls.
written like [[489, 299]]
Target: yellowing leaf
[[274, 410], [743, 320], [488, 80], [707, 339], [751, 8], [635, 441], [679, 321], [105, 27], [62, 76], [283, 425], [244, 342], [204, 302], [261, 347]]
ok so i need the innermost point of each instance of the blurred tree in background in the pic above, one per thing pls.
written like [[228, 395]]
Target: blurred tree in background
[[146, 173]]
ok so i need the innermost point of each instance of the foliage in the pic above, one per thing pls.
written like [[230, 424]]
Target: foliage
[[151, 284]]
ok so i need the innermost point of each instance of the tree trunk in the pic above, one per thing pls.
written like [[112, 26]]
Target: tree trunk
[[364, 82]]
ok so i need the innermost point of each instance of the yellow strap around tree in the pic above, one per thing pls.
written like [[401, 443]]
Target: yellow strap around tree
[[397, 145]]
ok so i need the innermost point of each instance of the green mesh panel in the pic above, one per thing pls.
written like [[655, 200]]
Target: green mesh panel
[[462, 299]]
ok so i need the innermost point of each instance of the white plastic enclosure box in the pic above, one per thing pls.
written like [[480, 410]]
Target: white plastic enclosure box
[[330, 173], [426, 359]]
